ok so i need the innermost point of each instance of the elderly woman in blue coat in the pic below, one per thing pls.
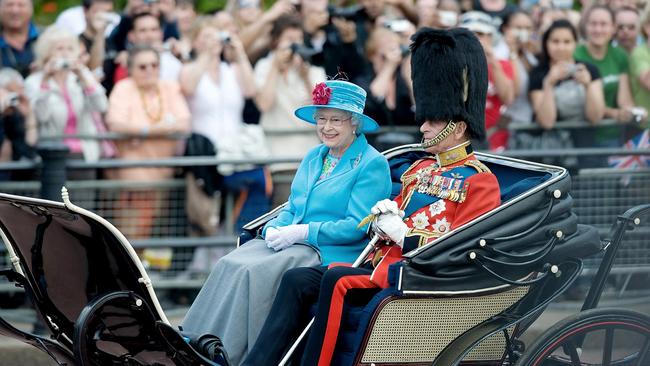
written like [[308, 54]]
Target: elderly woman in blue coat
[[334, 188]]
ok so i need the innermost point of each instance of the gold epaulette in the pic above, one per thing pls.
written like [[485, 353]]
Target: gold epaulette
[[480, 167]]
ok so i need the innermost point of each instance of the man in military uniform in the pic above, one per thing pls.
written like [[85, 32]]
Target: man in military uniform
[[438, 193]]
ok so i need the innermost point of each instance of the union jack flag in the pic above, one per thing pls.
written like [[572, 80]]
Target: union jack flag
[[638, 142]]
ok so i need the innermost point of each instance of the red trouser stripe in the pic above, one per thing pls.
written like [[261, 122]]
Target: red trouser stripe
[[336, 309]]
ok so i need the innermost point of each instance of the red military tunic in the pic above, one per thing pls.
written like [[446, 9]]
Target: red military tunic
[[438, 194]]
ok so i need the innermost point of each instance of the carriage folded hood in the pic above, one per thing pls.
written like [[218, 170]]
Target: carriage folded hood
[[68, 258], [527, 222]]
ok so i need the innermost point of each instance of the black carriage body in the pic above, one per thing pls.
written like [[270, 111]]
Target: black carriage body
[[89, 284]]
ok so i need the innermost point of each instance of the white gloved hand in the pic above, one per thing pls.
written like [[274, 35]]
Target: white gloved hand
[[271, 234], [386, 207], [391, 225], [286, 236]]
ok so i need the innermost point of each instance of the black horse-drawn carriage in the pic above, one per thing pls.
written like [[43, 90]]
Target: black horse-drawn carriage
[[466, 298]]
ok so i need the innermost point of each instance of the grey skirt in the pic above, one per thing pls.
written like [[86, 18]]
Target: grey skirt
[[237, 296]]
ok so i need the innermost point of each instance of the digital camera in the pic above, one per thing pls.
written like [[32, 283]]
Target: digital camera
[[224, 37], [306, 53], [62, 64]]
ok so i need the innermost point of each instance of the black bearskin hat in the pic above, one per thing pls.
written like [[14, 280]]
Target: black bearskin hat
[[450, 78]]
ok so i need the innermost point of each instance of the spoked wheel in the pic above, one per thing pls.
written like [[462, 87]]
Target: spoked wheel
[[597, 337]]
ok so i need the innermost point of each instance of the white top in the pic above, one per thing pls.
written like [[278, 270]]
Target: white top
[[291, 94], [74, 21], [217, 107], [170, 66], [51, 111]]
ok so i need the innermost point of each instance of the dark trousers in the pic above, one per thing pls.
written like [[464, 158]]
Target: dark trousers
[[299, 289], [13, 128], [336, 284], [289, 315]]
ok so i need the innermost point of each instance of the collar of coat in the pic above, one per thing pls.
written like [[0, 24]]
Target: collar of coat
[[349, 160]]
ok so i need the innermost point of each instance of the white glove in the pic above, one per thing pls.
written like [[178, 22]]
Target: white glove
[[286, 236], [392, 226], [271, 234], [386, 206]]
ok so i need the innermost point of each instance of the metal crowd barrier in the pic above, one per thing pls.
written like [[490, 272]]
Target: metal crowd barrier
[[600, 195]]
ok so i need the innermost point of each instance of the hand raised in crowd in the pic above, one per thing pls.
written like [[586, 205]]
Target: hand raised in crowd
[[283, 58], [6, 100], [236, 47], [347, 29], [99, 22], [393, 57], [13, 96], [180, 49], [314, 21], [280, 8], [167, 8], [557, 72], [121, 58]]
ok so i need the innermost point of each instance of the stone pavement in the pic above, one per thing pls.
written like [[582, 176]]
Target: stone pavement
[[14, 353]]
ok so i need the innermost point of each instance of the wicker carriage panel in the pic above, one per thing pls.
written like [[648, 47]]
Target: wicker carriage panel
[[416, 330]]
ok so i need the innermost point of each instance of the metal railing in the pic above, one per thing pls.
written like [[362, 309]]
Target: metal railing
[[599, 195]]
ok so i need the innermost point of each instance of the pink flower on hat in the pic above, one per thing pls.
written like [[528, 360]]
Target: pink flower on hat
[[321, 94]]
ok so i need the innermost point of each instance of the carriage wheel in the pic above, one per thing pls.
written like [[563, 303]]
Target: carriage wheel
[[615, 337]]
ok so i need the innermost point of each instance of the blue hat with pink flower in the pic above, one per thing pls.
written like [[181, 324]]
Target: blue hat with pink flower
[[338, 94]]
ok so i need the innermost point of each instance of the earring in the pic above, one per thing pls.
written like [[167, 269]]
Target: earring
[[354, 133]]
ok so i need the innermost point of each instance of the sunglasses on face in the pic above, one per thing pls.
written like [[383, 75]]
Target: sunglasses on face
[[629, 27], [143, 67]]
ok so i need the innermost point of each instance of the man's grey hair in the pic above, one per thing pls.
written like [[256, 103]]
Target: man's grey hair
[[9, 76]]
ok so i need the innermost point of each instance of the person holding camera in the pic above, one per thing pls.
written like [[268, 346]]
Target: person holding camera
[[517, 29], [562, 89], [285, 80], [216, 92], [64, 94], [98, 16], [331, 39], [388, 80], [16, 121], [501, 80]]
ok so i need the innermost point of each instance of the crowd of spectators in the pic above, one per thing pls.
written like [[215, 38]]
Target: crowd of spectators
[[157, 70]]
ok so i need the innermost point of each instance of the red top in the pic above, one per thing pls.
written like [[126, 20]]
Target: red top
[[497, 138]]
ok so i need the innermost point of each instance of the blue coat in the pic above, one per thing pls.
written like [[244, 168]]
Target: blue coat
[[334, 206]]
